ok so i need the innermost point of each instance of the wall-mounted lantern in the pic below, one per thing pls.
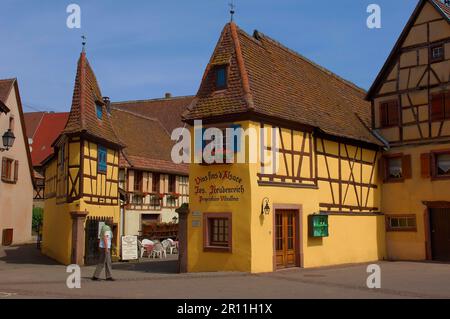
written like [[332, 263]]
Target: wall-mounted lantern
[[265, 206], [8, 140]]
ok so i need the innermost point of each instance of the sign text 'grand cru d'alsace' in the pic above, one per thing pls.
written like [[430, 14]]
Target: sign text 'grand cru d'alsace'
[[211, 187]]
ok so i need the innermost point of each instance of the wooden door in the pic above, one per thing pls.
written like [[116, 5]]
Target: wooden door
[[286, 241], [440, 233], [7, 237]]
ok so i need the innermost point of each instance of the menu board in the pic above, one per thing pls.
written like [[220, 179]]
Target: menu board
[[129, 248]]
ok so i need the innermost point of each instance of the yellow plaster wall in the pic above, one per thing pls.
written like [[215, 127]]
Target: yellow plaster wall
[[407, 198], [352, 238]]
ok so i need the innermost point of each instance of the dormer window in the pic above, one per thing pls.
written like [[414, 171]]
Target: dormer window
[[99, 111], [437, 53], [221, 77]]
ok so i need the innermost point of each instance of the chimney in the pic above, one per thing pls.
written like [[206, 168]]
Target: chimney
[[168, 95], [107, 102]]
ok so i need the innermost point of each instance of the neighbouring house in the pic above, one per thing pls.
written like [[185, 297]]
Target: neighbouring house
[[43, 128], [16, 184], [81, 177], [153, 185], [411, 110]]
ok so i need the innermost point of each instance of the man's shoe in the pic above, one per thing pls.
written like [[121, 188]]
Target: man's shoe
[[95, 279], [110, 279]]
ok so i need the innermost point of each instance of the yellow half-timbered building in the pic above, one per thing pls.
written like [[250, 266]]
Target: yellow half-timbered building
[[411, 110], [307, 193], [81, 178]]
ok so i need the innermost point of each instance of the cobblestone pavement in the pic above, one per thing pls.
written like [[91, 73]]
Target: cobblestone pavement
[[25, 273]]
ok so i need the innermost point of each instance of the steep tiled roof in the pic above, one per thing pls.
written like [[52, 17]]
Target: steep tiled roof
[[86, 95], [168, 110], [5, 88], [47, 131], [32, 121], [148, 143], [269, 79]]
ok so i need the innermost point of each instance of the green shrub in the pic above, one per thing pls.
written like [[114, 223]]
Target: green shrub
[[38, 218]]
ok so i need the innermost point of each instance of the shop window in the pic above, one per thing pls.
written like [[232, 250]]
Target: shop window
[[401, 223], [220, 77], [395, 168], [102, 159], [389, 113], [10, 170], [217, 232], [437, 53], [440, 106]]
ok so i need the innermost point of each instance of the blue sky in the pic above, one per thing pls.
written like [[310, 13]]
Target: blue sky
[[141, 49]]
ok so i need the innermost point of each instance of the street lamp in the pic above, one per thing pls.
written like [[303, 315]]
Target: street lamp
[[265, 207], [8, 140]]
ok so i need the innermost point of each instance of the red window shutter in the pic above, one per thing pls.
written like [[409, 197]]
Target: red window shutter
[[382, 169], [16, 171], [425, 160], [437, 107], [406, 166], [4, 168]]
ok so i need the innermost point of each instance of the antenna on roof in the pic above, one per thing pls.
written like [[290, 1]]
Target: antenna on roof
[[232, 10], [83, 37]]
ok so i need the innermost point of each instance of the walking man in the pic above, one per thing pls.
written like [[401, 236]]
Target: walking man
[[105, 254]]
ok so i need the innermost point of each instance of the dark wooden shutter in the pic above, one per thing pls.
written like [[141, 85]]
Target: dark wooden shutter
[[447, 105], [383, 114], [16, 171], [393, 113], [382, 169], [425, 161], [4, 163], [437, 107], [406, 166]]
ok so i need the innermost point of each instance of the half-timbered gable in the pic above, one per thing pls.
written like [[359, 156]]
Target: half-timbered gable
[[410, 94]]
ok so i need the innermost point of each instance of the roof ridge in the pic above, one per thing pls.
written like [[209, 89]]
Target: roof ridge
[[314, 64], [155, 99], [248, 97]]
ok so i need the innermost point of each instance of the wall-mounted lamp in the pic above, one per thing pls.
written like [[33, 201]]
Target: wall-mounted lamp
[[8, 140], [265, 206]]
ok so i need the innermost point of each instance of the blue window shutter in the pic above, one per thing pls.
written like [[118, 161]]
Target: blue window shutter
[[102, 159], [237, 138]]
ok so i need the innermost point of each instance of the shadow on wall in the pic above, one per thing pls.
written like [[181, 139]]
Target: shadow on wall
[[24, 255]]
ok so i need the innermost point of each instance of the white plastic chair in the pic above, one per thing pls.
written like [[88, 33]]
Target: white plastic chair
[[159, 251]]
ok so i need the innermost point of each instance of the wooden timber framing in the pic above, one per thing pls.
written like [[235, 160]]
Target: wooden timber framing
[[412, 76]]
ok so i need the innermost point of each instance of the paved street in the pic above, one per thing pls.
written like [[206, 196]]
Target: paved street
[[24, 273]]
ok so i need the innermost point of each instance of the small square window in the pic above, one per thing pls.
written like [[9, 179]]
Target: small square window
[[221, 77], [437, 53], [443, 164], [217, 232], [394, 167], [99, 111]]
